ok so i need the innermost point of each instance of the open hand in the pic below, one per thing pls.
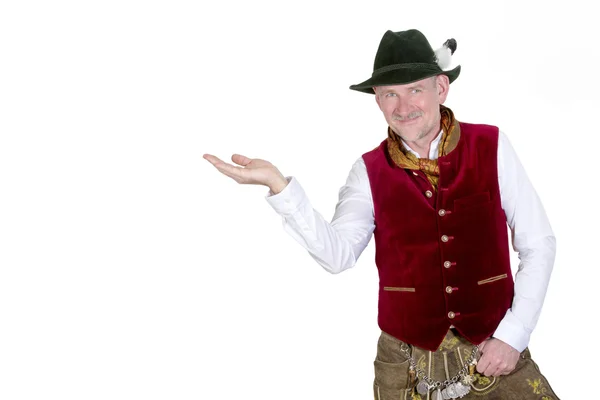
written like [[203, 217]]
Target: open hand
[[498, 358], [250, 171]]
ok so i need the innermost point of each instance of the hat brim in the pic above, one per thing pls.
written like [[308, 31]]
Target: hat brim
[[402, 77]]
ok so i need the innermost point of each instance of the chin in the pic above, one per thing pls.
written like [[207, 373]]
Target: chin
[[409, 136]]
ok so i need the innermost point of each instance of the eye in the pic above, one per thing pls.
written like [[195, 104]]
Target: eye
[[390, 95], [416, 91]]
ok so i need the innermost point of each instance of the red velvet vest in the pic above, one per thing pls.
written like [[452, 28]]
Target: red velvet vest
[[442, 255]]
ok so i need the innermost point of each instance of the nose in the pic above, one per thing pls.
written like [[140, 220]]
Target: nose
[[402, 106]]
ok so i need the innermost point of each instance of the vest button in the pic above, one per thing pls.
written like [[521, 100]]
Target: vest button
[[447, 264], [448, 289], [451, 315], [444, 238], [442, 212], [428, 193]]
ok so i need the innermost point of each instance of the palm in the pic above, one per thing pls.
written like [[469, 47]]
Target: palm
[[248, 171]]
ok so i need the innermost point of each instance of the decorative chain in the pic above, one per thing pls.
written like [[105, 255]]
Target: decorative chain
[[437, 384]]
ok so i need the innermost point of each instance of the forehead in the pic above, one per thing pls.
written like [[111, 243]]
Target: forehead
[[422, 82]]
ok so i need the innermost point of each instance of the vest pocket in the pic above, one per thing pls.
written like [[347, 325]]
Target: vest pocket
[[398, 289], [492, 279], [472, 200]]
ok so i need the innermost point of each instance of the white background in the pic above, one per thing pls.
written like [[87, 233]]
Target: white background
[[131, 269]]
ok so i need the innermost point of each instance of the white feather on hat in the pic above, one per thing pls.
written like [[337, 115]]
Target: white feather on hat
[[443, 55]]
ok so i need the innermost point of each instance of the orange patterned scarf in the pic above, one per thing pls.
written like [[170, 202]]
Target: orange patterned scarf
[[405, 159]]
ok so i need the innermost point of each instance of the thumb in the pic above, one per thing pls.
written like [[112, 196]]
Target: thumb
[[240, 159]]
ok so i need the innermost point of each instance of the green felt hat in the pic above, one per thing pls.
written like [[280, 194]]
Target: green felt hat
[[405, 57]]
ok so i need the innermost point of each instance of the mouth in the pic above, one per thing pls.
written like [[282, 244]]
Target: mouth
[[407, 121]]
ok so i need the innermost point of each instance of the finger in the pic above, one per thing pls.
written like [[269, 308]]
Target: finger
[[507, 369], [482, 345], [213, 159], [482, 364], [240, 159], [491, 370], [232, 171], [227, 169]]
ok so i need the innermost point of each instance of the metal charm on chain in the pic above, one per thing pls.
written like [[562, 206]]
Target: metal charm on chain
[[457, 387]]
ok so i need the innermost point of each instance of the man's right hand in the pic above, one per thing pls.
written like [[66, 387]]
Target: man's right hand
[[252, 171]]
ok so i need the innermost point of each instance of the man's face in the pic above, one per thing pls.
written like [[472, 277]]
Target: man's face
[[413, 110]]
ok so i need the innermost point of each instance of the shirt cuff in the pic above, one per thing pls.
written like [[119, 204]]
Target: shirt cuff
[[289, 199], [511, 331]]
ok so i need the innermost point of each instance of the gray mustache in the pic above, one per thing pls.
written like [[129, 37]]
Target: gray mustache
[[412, 115]]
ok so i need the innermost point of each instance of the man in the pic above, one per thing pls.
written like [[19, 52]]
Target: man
[[437, 195]]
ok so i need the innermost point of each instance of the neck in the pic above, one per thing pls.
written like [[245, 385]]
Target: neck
[[423, 145]]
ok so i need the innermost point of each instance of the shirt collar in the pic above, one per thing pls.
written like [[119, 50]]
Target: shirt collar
[[433, 147]]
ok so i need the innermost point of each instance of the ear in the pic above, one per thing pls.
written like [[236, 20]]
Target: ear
[[377, 97], [442, 85]]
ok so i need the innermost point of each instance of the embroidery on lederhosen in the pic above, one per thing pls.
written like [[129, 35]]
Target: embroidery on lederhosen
[[539, 388], [449, 344], [415, 396]]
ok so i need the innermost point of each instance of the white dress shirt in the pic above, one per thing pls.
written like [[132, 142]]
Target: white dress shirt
[[336, 245]]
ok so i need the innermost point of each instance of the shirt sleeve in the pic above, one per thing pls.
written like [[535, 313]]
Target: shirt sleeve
[[532, 238], [335, 245]]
